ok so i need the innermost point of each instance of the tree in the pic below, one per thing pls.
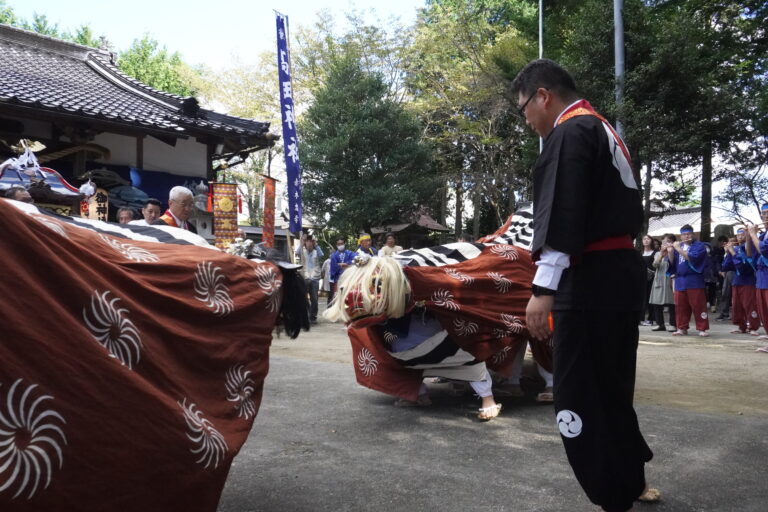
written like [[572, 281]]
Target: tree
[[463, 55], [7, 15], [84, 35], [153, 65], [41, 25], [364, 164]]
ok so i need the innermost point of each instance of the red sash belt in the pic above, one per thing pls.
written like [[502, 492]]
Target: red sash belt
[[609, 244]]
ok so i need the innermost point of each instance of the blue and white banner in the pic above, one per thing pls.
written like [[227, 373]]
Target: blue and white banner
[[290, 141]]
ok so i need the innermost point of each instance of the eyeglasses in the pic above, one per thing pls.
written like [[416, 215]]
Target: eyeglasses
[[521, 109]]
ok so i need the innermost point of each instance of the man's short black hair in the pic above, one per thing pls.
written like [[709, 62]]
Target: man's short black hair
[[153, 201], [722, 238], [340, 239], [547, 74], [11, 192]]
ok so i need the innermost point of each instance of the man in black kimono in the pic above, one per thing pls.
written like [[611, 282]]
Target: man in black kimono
[[587, 210]]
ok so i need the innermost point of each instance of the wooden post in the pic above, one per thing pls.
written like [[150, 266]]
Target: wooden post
[[140, 152]]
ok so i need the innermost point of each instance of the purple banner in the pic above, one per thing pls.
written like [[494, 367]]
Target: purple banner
[[290, 141]]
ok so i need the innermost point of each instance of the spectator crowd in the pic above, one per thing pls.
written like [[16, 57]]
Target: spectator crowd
[[688, 277]]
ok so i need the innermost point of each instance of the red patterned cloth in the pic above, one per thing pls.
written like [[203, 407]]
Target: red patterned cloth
[[480, 302], [131, 371]]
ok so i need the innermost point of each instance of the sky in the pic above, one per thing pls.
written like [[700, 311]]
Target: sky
[[204, 32]]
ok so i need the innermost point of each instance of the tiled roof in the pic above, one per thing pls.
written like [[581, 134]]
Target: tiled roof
[[48, 74]]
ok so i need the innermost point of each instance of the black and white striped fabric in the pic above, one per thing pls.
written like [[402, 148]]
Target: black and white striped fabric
[[440, 356], [519, 234], [162, 234]]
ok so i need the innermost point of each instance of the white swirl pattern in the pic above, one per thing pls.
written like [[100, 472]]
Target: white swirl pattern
[[50, 224], [209, 444], [269, 282], [501, 283], [505, 251], [110, 326], [130, 251], [390, 337], [500, 356], [30, 441], [444, 299], [512, 323], [366, 362], [210, 289], [459, 276], [464, 327], [240, 389]]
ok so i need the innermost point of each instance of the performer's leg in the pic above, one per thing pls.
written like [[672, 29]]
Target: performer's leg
[[749, 302], [762, 306], [683, 310], [313, 286], [698, 301], [594, 388], [489, 408], [672, 315], [517, 368], [737, 313]]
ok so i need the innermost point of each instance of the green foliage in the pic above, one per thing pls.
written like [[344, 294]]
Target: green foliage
[[153, 65], [364, 164], [7, 15], [463, 55], [84, 35], [41, 25]]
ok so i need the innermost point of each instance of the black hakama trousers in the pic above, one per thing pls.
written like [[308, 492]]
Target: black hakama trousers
[[594, 382]]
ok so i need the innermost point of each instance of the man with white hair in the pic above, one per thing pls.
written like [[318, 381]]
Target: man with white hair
[[180, 204]]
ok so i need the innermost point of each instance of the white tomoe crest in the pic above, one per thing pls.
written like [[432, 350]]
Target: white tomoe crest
[[110, 326], [240, 388], [390, 337], [444, 299], [51, 224], [209, 444], [210, 289], [501, 355], [502, 283], [366, 362], [459, 276], [512, 323], [505, 251], [269, 282], [130, 251], [464, 327], [30, 441]]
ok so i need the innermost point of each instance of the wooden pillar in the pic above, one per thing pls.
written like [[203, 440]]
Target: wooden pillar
[[140, 152]]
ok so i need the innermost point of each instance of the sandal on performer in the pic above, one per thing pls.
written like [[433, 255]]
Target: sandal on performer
[[762, 349], [650, 495], [546, 396], [703, 334], [738, 331], [488, 413], [680, 332]]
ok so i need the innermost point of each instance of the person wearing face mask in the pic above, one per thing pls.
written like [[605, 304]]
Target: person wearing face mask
[[340, 260]]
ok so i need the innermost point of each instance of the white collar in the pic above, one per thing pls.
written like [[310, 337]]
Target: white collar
[[180, 223], [565, 110]]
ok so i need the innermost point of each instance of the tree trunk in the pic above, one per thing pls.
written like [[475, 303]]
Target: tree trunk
[[443, 208], [647, 196], [476, 205], [457, 229], [706, 193]]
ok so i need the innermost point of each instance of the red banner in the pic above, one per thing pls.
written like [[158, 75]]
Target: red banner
[[268, 236], [224, 213]]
